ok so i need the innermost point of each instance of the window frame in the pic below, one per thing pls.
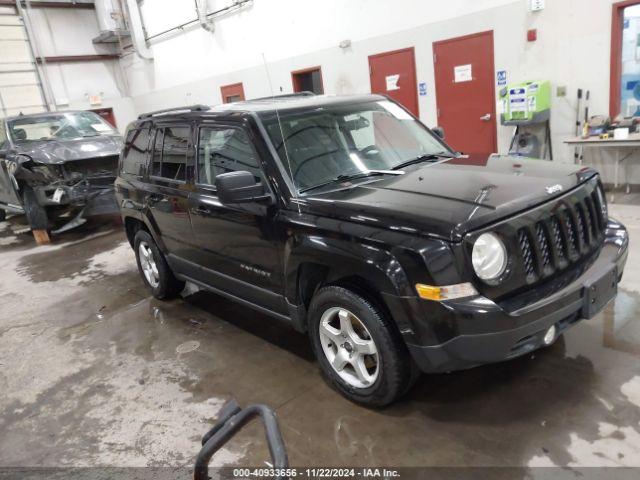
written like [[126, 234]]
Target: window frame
[[221, 126], [617, 21], [157, 178]]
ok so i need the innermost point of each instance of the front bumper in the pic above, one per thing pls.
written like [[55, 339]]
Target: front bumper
[[488, 332], [93, 199]]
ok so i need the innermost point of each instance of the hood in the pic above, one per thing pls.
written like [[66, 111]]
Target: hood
[[450, 198], [60, 151]]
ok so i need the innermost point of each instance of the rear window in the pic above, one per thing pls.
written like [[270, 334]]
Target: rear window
[[170, 153], [136, 147]]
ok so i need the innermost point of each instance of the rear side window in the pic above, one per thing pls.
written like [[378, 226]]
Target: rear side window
[[170, 151], [223, 150], [135, 151]]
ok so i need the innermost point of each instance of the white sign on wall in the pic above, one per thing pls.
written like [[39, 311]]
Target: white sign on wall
[[392, 82], [95, 99], [536, 5], [462, 73]]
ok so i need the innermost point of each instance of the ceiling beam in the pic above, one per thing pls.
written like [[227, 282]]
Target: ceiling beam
[[79, 58], [42, 4]]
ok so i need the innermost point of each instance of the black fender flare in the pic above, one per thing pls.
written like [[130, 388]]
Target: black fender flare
[[150, 225], [344, 258]]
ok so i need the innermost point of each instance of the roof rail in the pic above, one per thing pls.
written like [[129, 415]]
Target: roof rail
[[192, 108], [285, 96]]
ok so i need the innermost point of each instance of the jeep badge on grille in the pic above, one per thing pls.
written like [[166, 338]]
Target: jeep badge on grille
[[554, 189]]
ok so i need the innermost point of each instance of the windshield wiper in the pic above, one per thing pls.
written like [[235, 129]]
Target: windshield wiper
[[353, 176], [423, 158]]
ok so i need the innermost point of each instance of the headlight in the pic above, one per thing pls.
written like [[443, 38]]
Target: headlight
[[11, 167], [489, 256]]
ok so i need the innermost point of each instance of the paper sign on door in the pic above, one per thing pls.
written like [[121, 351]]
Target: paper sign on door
[[462, 73], [392, 82]]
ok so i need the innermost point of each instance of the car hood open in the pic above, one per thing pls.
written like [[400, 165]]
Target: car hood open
[[449, 198], [60, 151]]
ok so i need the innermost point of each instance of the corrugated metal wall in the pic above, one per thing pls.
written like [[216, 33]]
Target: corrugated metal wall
[[20, 89]]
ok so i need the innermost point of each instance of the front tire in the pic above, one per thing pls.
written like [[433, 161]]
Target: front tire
[[360, 352], [153, 268], [36, 213]]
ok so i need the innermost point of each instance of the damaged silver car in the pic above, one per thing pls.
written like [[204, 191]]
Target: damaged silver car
[[58, 168]]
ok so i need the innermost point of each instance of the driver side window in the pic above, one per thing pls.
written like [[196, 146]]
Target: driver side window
[[223, 150]]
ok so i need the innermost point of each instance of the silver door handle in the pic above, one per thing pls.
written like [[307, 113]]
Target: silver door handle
[[486, 118]]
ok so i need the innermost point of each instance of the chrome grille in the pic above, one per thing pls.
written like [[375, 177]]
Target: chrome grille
[[557, 239], [569, 232], [543, 245], [580, 223], [527, 254], [572, 241]]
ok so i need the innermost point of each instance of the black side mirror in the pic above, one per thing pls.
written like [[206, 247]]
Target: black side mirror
[[240, 187], [439, 132]]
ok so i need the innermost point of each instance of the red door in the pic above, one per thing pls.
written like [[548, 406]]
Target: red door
[[465, 94], [394, 74], [232, 93], [107, 115]]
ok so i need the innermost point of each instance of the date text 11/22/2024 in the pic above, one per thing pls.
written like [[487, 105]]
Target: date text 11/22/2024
[[310, 472]]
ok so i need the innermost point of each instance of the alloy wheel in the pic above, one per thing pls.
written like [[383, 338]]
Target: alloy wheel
[[349, 347], [148, 264]]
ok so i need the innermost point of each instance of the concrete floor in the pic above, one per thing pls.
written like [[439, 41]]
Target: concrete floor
[[95, 372]]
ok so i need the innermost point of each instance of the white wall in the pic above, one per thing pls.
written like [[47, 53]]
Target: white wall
[[572, 50], [279, 29], [60, 32]]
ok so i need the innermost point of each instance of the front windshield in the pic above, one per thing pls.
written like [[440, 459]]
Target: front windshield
[[327, 142], [59, 126]]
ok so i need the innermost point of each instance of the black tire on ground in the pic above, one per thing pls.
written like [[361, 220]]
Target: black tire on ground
[[3, 215], [168, 286], [36, 213], [396, 369]]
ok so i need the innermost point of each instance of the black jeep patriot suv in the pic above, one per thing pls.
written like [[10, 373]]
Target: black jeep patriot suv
[[348, 218]]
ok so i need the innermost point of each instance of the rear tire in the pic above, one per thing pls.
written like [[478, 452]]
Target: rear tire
[[3, 215], [153, 268], [372, 367], [36, 213]]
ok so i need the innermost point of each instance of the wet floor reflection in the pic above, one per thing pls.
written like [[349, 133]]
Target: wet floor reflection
[[107, 374]]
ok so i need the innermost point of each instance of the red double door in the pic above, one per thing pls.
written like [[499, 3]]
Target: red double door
[[464, 88]]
